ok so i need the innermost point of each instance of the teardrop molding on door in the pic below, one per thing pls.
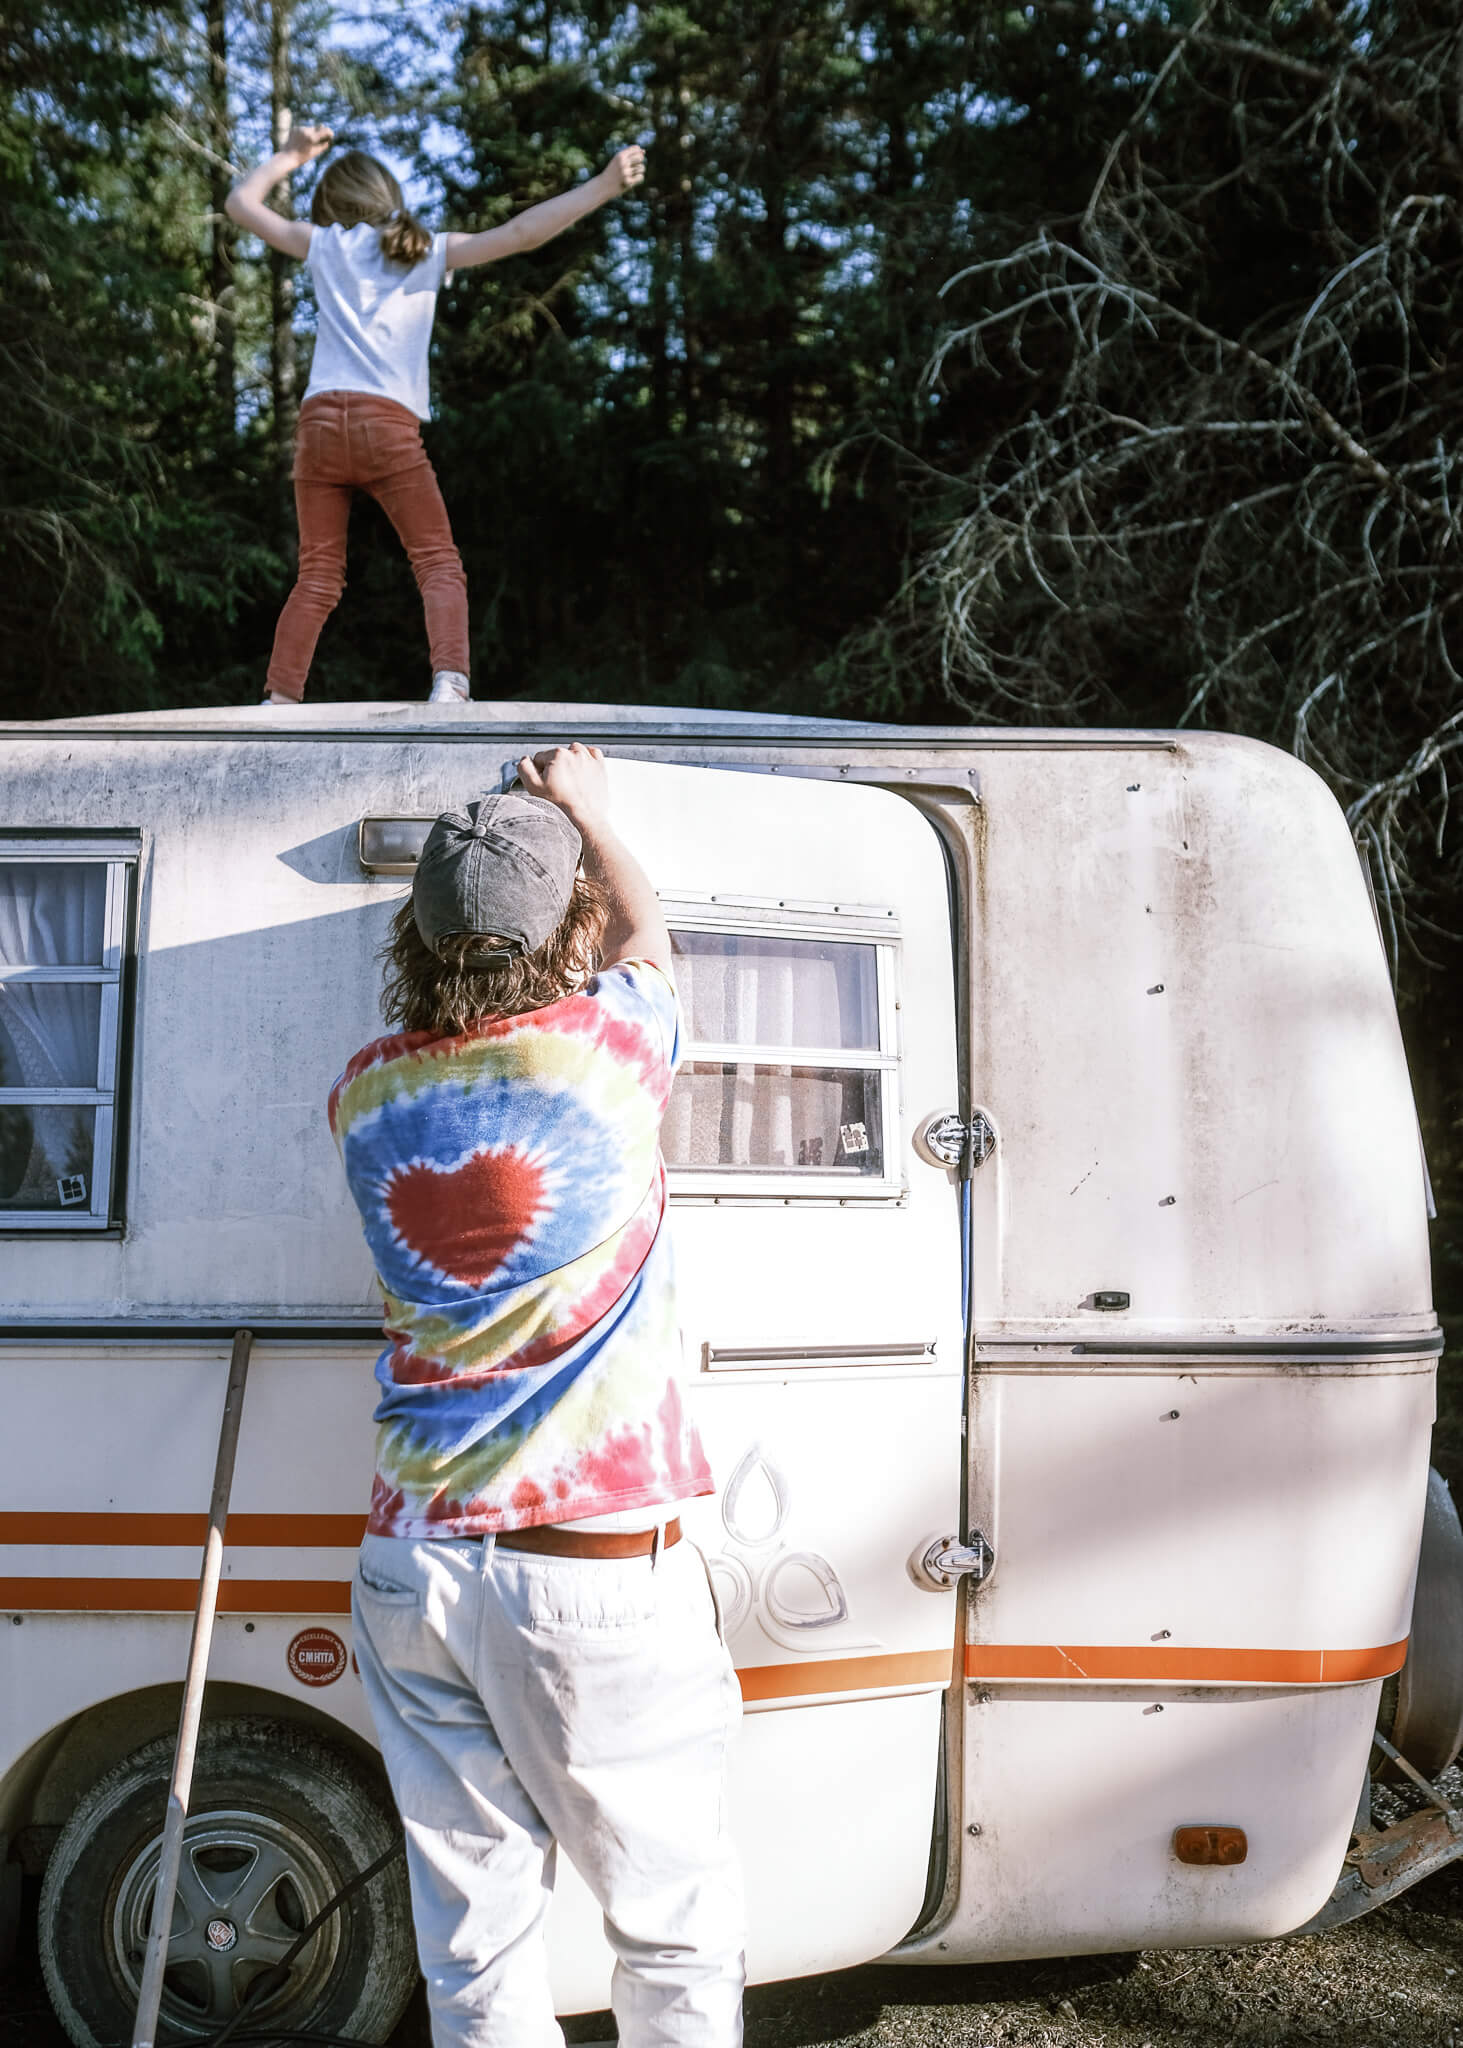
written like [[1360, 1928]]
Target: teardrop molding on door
[[755, 1503], [733, 1585], [786, 1572]]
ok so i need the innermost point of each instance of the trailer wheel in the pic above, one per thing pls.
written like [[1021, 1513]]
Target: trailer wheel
[[279, 1820], [1425, 1707]]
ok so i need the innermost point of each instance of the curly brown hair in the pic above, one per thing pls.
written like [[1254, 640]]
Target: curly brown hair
[[468, 978]]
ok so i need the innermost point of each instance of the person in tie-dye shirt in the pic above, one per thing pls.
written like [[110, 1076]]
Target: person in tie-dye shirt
[[540, 1648]]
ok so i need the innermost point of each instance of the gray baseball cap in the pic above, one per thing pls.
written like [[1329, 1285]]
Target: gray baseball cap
[[503, 866]]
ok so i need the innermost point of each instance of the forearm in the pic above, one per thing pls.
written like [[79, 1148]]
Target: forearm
[[539, 224], [255, 186], [574, 778], [636, 926]]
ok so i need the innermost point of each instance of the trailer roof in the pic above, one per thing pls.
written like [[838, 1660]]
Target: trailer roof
[[483, 718]]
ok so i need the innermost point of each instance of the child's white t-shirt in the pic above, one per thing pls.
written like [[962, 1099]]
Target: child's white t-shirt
[[375, 318]]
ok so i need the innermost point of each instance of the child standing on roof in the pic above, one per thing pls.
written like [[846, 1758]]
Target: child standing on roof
[[377, 272]]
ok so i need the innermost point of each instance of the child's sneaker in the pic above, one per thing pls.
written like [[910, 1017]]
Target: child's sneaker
[[449, 686]]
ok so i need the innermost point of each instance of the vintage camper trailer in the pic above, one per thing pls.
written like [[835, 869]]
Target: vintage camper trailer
[[1050, 1218]]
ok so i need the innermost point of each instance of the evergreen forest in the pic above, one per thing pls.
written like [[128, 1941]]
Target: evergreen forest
[[1079, 362]]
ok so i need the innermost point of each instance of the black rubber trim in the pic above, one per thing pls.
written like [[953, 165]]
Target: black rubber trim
[[1430, 1341], [121, 1331]]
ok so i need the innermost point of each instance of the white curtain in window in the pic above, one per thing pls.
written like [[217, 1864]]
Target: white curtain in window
[[52, 914], [746, 991], [751, 991]]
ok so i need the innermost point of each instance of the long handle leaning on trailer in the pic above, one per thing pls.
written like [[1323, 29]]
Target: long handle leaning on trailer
[[149, 1998]]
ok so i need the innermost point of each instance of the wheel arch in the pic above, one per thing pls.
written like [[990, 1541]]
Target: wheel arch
[[41, 1789]]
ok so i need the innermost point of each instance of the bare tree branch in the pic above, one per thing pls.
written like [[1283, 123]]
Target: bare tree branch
[[1201, 495]]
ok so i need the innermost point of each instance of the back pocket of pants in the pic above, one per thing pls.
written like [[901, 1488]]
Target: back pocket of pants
[[375, 1579]]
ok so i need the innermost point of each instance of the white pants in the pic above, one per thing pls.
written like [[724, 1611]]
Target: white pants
[[524, 1700]]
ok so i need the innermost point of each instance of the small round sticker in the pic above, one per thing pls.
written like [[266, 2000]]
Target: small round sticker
[[316, 1656]]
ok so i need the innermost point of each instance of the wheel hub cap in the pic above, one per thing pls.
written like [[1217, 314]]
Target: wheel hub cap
[[248, 1885]]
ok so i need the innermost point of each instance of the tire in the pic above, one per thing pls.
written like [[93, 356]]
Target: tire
[[278, 1821], [1423, 1716]]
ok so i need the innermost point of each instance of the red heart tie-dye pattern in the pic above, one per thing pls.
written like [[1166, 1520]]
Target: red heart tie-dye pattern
[[466, 1220], [531, 1320]]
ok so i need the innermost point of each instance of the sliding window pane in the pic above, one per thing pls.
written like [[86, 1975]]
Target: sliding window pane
[[741, 988], [48, 1034], [53, 913], [46, 1156], [775, 1119]]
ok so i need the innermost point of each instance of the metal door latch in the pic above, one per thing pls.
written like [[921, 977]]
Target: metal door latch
[[941, 1139], [940, 1560]]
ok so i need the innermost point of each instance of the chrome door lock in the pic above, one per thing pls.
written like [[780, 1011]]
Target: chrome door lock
[[940, 1561], [942, 1138]]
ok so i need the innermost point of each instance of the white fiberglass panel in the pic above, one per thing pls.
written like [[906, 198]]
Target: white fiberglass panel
[[816, 1899], [259, 976], [1247, 1508], [1184, 1032], [1078, 1798]]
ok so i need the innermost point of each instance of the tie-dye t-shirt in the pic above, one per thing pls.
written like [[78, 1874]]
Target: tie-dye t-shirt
[[513, 1196]]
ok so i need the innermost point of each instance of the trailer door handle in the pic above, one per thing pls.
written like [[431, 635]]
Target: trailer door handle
[[945, 1139], [939, 1561]]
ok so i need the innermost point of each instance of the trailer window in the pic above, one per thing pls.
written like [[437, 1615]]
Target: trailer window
[[787, 1079], [63, 916]]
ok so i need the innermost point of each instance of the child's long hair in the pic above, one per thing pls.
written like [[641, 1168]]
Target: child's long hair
[[355, 188]]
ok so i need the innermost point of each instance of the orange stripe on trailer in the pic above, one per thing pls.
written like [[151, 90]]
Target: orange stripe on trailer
[[174, 1596], [297, 1531], [292, 1532], [333, 1596], [845, 1674], [1175, 1665]]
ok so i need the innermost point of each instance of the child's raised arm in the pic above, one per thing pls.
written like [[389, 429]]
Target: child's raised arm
[[539, 224], [245, 204]]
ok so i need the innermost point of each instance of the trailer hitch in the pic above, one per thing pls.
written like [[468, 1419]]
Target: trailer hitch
[[1382, 1862]]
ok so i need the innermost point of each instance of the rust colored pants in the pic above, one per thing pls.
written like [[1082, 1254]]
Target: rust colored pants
[[348, 442]]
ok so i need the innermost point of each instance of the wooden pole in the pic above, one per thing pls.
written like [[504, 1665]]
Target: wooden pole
[[149, 1998]]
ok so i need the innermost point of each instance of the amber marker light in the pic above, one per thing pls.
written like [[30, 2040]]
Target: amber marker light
[[1210, 1845]]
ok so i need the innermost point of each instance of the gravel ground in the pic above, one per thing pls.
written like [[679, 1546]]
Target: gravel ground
[[1394, 1977]]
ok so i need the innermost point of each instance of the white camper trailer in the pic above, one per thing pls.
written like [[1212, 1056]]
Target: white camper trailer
[[1050, 1221]]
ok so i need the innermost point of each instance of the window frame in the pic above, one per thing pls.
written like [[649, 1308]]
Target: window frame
[[755, 917], [120, 853]]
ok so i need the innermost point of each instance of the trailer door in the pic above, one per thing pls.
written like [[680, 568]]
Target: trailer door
[[819, 1283]]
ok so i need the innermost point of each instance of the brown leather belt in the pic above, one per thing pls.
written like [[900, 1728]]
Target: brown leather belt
[[560, 1542]]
